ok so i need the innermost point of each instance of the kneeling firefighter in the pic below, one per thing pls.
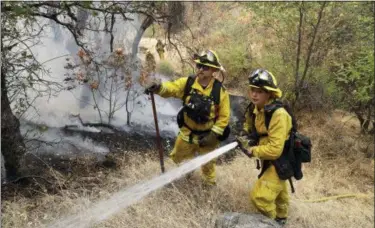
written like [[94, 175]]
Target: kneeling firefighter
[[204, 117], [268, 128]]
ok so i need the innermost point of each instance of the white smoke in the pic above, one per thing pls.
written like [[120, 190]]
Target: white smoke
[[56, 111]]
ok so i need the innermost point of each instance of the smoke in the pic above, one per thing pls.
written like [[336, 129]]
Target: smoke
[[56, 111]]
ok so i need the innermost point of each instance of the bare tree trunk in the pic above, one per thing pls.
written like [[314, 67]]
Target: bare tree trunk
[[145, 24], [113, 20], [296, 88], [12, 144], [310, 49], [128, 112]]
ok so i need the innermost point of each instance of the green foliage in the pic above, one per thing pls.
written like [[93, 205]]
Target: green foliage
[[165, 68], [235, 58], [355, 80], [230, 39]]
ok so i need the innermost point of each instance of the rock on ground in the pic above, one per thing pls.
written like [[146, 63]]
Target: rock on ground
[[239, 220]]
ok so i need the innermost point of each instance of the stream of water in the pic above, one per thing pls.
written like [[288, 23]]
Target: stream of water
[[122, 199]]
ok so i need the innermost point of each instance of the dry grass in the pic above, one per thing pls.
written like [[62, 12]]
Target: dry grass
[[340, 165]]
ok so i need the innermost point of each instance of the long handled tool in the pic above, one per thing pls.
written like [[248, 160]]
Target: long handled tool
[[158, 140]]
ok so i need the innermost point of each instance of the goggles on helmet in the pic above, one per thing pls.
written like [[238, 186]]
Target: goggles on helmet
[[261, 78], [207, 57]]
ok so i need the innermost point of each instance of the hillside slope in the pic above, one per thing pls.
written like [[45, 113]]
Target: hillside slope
[[340, 166]]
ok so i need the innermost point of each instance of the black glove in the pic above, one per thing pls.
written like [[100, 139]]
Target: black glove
[[209, 139], [154, 87], [243, 147], [252, 142]]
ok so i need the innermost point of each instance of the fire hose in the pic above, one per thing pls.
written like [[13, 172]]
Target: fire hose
[[122, 199]]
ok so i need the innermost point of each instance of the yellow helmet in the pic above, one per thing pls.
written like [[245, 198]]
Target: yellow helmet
[[208, 58], [262, 78]]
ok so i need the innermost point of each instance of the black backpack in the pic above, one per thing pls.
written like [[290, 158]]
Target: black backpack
[[297, 148], [215, 95]]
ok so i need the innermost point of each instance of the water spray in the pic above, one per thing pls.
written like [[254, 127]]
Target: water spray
[[122, 199]]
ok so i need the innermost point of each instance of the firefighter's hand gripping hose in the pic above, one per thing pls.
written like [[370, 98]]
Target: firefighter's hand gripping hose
[[243, 149]]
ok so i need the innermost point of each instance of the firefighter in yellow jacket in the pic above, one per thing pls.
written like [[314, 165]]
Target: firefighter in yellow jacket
[[270, 193], [203, 121]]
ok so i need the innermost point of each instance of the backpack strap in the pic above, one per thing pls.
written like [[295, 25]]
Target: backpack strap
[[188, 85], [269, 110], [254, 133], [215, 94], [249, 110]]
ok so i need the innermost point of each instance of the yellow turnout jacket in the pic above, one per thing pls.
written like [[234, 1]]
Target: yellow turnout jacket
[[176, 89]]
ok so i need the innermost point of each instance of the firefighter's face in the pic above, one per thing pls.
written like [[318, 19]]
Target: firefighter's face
[[259, 96], [204, 71]]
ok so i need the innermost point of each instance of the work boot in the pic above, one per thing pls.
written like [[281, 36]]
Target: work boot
[[280, 221]]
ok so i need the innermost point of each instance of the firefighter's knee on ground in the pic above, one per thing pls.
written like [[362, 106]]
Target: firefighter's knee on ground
[[263, 199], [282, 210], [282, 202], [265, 192]]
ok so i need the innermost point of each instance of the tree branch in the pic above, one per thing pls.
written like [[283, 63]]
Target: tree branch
[[312, 43], [296, 88]]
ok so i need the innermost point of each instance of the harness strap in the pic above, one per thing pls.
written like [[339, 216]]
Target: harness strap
[[215, 95], [195, 132]]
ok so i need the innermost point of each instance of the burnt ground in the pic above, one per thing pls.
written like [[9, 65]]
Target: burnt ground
[[118, 142]]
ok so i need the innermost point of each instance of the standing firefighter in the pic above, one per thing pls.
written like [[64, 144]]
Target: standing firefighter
[[160, 49], [150, 62], [205, 115], [268, 137]]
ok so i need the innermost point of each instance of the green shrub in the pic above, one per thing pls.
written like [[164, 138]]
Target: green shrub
[[165, 68]]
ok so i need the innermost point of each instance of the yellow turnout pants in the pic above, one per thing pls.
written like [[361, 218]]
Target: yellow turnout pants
[[270, 194], [184, 150]]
